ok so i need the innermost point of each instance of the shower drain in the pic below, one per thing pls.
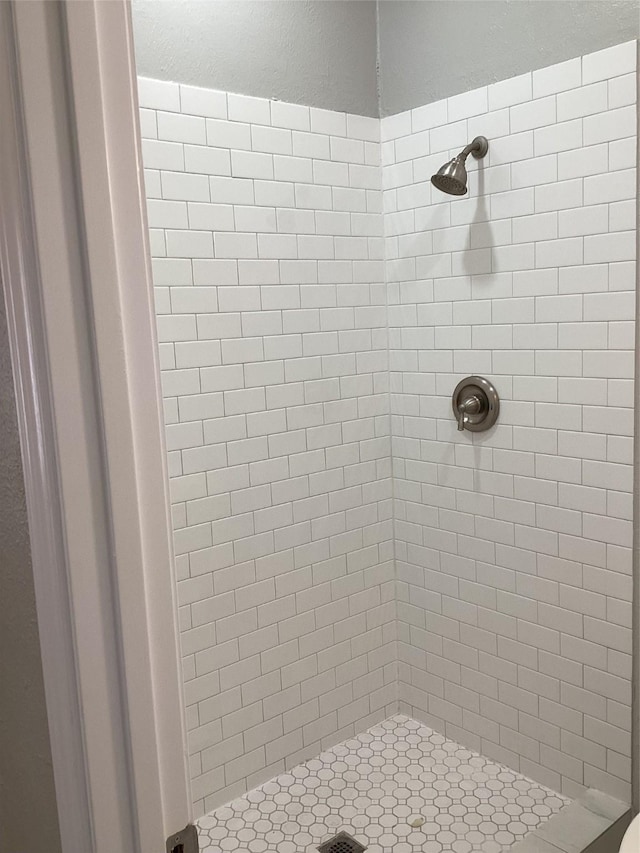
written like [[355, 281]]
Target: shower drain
[[341, 843]]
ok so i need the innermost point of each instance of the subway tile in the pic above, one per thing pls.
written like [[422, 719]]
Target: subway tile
[[558, 253], [608, 126], [198, 101], [329, 122], [582, 221], [148, 124], [611, 187], [531, 173], [235, 245], [160, 154], [600, 248], [580, 162], [558, 137], [363, 127], [158, 94], [557, 78], [271, 140], [584, 278], [225, 190], [622, 215], [430, 115], [189, 244], [610, 62], [582, 102], [225, 134], [558, 196], [184, 187], [622, 91], [174, 127], [212, 217], [275, 378], [538, 227], [514, 203], [532, 114], [509, 92], [467, 104], [509, 149], [292, 116], [251, 164], [246, 109], [208, 161]]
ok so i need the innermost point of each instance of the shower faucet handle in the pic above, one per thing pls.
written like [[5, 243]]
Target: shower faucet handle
[[475, 404], [469, 406]]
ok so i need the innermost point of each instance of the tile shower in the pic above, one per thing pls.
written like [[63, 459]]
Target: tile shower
[[513, 548], [269, 270], [343, 553]]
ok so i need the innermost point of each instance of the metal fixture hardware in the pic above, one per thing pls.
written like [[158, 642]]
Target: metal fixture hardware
[[475, 404], [341, 843], [470, 406], [452, 177], [185, 841]]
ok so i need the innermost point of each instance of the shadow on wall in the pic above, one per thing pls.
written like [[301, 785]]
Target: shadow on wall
[[480, 229]]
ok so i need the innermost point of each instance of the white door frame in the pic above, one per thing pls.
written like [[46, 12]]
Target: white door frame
[[75, 264]]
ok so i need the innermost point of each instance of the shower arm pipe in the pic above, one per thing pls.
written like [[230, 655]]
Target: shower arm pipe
[[475, 145]]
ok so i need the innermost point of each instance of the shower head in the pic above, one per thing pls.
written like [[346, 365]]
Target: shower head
[[452, 177]]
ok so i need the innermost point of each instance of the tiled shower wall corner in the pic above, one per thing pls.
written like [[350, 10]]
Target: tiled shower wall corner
[[513, 561], [266, 235], [513, 546]]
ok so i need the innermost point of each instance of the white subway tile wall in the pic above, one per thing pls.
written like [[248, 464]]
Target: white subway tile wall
[[513, 547], [278, 342], [267, 244]]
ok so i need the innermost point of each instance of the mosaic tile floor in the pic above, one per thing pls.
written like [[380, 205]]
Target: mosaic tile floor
[[397, 787]]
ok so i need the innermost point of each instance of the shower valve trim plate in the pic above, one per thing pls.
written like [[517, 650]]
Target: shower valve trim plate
[[475, 404]]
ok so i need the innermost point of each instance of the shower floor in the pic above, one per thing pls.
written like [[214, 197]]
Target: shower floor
[[397, 787]]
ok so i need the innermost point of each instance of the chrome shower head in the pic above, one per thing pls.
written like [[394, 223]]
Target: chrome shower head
[[452, 177]]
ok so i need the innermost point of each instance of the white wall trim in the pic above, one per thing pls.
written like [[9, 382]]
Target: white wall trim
[[75, 72], [19, 268], [635, 652], [104, 87]]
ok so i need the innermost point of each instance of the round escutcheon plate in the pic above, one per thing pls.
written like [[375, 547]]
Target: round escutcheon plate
[[481, 389]]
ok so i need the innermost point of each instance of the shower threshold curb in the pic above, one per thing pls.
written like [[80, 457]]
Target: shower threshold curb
[[579, 826]]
